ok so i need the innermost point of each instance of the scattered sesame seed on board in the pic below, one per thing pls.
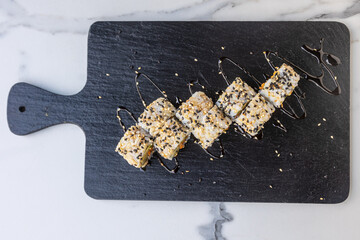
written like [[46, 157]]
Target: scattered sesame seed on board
[[280, 169], [195, 59], [332, 137], [270, 186], [107, 74], [176, 74], [211, 159], [278, 155], [222, 48], [319, 124], [324, 119], [276, 151]]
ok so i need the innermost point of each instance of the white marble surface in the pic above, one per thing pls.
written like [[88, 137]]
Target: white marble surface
[[45, 43]]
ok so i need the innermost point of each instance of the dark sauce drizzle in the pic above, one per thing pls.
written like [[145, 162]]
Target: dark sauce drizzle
[[222, 150], [221, 70], [170, 170], [191, 83], [152, 82], [121, 108], [279, 125]]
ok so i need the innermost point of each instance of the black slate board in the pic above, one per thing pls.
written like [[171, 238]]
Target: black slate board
[[314, 167]]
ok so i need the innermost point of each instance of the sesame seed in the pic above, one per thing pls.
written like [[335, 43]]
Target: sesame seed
[[222, 48], [195, 59], [280, 169], [270, 186], [324, 119], [321, 199], [176, 74], [211, 159], [139, 68], [332, 137], [107, 74], [319, 124]]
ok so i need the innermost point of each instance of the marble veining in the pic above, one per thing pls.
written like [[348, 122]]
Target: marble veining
[[58, 30]]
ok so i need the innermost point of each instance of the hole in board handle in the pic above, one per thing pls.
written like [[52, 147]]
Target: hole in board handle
[[22, 108]]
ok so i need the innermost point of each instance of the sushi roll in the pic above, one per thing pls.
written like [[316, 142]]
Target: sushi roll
[[171, 138], [234, 99], [255, 115], [194, 109], [136, 147], [211, 126], [281, 84], [155, 115]]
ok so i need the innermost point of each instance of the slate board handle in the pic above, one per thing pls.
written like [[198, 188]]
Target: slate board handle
[[31, 109]]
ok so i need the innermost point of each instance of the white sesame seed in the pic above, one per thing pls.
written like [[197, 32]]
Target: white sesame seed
[[222, 48], [319, 124], [107, 74], [176, 74], [324, 119], [195, 59], [270, 186], [280, 169], [211, 159], [332, 137]]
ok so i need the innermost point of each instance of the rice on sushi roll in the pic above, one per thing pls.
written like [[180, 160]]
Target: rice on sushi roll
[[281, 85], [136, 147], [171, 138], [234, 99], [255, 115], [211, 126], [193, 110], [155, 115]]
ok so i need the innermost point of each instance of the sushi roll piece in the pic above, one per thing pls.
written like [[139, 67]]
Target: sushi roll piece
[[211, 126], [234, 99], [155, 115], [194, 109], [171, 138], [136, 147], [281, 85], [255, 115]]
